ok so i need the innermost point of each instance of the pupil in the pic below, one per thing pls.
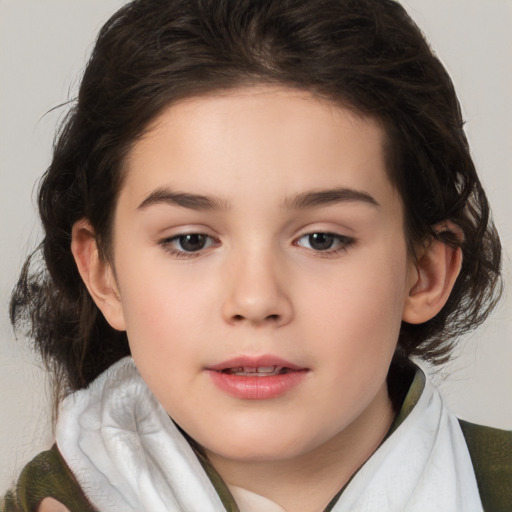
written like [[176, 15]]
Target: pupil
[[321, 241], [194, 242]]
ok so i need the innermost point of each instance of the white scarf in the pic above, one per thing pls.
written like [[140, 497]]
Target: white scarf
[[128, 456]]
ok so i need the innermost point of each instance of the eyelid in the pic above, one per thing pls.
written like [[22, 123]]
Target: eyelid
[[168, 244], [344, 242]]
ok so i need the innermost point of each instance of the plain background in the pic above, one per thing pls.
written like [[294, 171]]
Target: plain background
[[43, 47]]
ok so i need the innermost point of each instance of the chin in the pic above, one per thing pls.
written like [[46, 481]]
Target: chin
[[258, 448]]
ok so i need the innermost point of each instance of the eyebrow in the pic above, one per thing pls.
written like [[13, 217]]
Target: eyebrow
[[303, 201], [183, 199], [327, 197]]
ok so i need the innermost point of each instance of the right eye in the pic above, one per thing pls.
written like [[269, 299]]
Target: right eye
[[187, 244]]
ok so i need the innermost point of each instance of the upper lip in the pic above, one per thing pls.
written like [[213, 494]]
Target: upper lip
[[255, 362]]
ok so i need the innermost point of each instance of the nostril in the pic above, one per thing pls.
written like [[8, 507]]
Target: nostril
[[273, 318]]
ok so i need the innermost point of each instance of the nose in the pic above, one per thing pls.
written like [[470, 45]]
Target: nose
[[256, 292]]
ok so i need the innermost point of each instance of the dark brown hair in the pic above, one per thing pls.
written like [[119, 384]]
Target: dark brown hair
[[365, 54]]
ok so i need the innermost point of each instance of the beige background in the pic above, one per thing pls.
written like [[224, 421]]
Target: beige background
[[43, 47]]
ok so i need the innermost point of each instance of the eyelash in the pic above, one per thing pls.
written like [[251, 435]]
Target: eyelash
[[342, 242], [168, 245]]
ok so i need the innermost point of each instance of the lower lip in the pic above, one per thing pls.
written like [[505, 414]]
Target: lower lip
[[257, 388]]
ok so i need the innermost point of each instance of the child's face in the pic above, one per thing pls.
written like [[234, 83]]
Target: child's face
[[218, 266]]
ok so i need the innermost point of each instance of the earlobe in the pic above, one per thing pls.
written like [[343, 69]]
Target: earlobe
[[97, 274], [431, 282]]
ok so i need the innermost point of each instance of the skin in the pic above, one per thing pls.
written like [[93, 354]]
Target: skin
[[52, 505], [259, 285]]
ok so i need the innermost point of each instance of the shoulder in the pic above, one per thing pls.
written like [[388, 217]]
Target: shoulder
[[47, 476], [491, 453]]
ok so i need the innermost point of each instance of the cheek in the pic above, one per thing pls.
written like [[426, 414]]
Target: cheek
[[168, 310], [359, 310], [368, 290], [163, 324], [161, 311]]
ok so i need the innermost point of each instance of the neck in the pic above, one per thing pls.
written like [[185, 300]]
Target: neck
[[308, 482]]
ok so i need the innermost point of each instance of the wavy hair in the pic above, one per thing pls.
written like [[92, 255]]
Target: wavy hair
[[367, 55]]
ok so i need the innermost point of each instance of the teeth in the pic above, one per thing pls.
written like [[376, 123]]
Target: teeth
[[256, 371], [262, 369]]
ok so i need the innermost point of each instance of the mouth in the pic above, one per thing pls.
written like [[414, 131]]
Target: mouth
[[256, 378], [256, 366], [258, 371]]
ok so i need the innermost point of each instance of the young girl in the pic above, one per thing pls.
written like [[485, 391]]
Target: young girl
[[257, 212]]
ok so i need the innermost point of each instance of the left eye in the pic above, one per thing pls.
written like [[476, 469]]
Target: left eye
[[324, 241], [191, 242]]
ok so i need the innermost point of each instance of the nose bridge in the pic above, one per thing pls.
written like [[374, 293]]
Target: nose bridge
[[256, 291]]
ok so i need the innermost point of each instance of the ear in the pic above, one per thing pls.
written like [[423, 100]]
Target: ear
[[97, 274], [431, 279]]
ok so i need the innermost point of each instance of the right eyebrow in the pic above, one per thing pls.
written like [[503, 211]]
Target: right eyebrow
[[183, 199]]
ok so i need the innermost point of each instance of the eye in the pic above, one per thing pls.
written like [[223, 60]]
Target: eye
[[187, 244], [325, 242]]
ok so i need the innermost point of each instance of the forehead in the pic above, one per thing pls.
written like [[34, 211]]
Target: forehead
[[233, 140]]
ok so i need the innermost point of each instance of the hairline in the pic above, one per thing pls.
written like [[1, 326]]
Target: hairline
[[241, 82]]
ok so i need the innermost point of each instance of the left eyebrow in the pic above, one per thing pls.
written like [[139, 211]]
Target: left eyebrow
[[183, 199], [318, 198]]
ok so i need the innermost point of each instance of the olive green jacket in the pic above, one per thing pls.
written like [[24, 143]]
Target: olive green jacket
[[47, 475]]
